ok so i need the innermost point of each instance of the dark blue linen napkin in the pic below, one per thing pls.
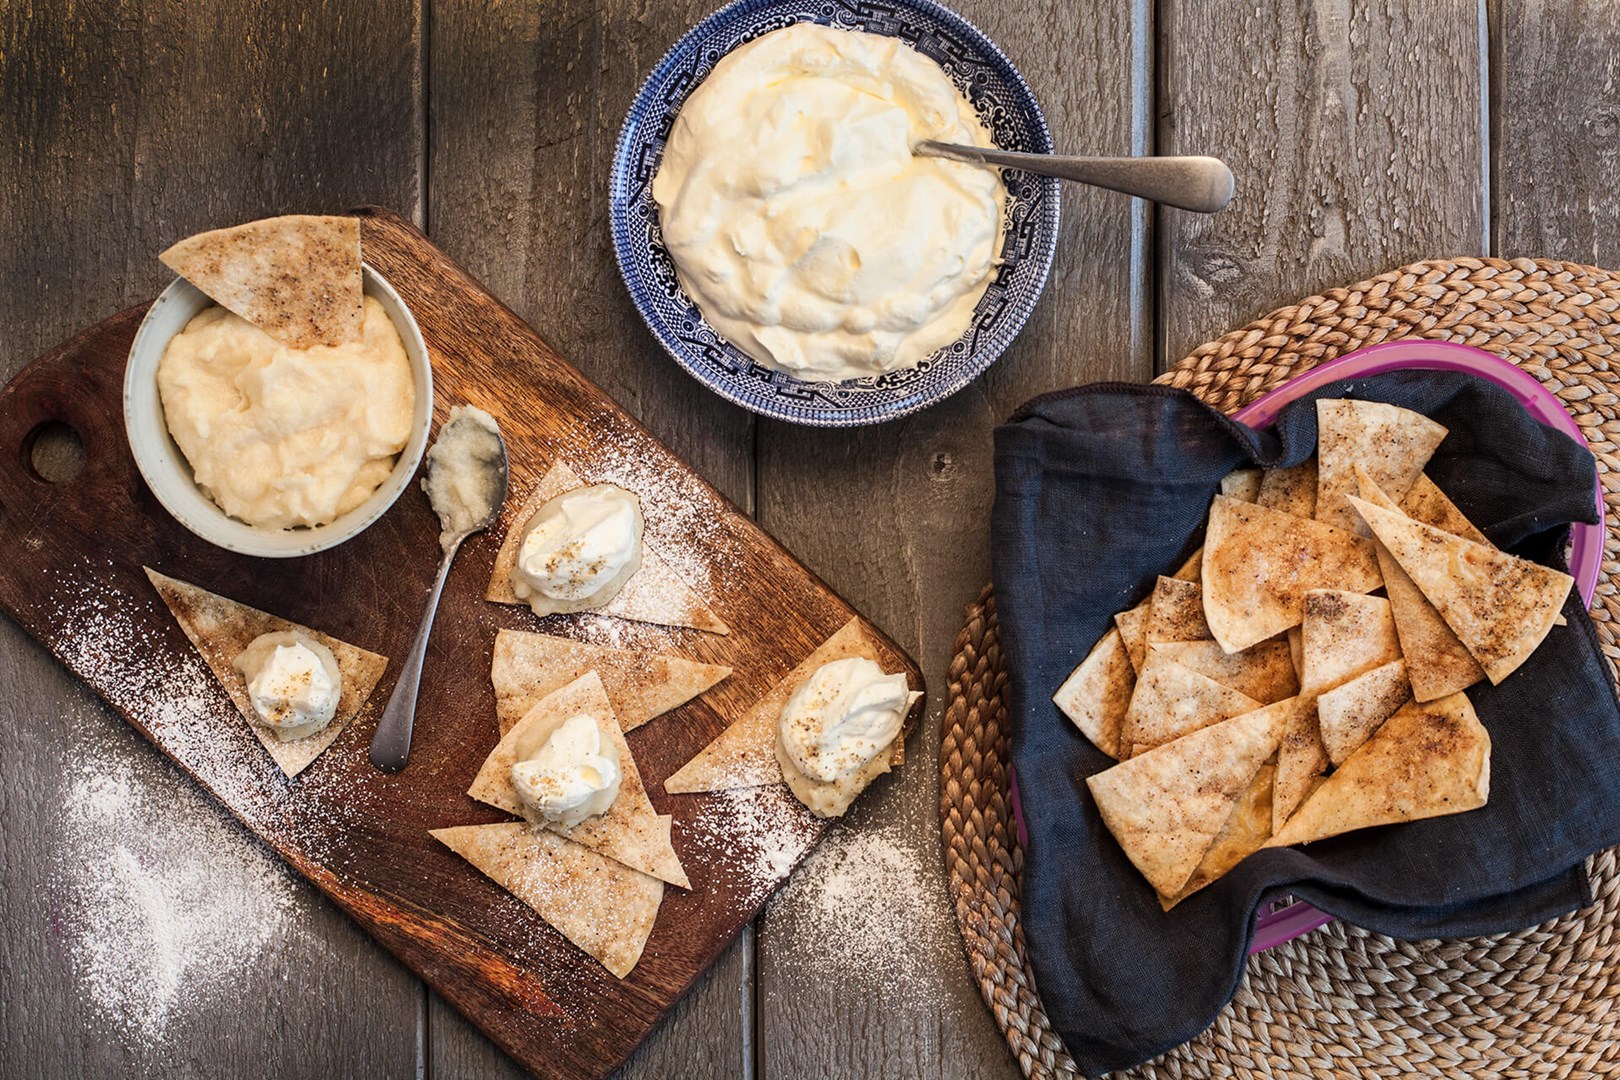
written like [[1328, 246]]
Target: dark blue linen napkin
[[1100, 489]]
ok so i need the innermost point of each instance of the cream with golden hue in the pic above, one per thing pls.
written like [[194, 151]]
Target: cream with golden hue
[[568, 772], [281, 437], [800, 220], [579, 549]]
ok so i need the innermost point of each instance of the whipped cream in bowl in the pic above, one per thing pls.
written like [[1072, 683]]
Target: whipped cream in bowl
[[783, 241], [567, 772], [579, 549]]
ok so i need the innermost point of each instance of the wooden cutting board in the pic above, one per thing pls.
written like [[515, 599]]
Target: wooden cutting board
[[74, 552]]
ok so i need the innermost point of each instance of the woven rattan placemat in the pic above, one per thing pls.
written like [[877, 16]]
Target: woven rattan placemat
[[1340, 1000]]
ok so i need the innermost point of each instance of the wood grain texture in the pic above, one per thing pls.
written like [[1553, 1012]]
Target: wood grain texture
[[527, 100], [124, 126], [1555, 179], [360, 835], [897, 515], [1356, 133]]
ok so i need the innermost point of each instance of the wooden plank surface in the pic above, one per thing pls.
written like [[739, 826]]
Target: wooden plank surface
[[124, 126], [1356, 133], [897, 515]]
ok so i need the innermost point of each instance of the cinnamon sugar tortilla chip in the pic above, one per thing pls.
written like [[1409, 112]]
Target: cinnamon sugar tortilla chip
[[604, 907], [1425, 502], [1098, 692], [1264, 672], [1242, 484], [221, 628], [1132, 625], [1291, 490], [1171, 700], [1167, 806], [630, 831], [1296, 650], [640, 684], [1176, 612], [744, 755], [1391, 443], [1301, 758], [654, 594], [1348, 714], [1245, 832], [1426, 761], [1500, 606], [297, 277], [1192, 568], [1259, 563], [1437, 663], [1344, 634]]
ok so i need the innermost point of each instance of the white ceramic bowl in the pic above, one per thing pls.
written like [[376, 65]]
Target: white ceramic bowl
[[169, 475]]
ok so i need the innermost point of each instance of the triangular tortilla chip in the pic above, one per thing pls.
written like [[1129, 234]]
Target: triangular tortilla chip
[[1171, 701], [604, 907], [1437, 663], [1098, 692], [1426, 761], [1391, 443], [744, 755], [221, 628], [1296, 650], [1292, 489], [297, 277], [654, 594], [1264, 672], [630, 831], [1348, 714], [1301, 757], [1244, 833], [1259, 563], [1192, 568], [1425, 502], [641, 684], [1166, 807], [1344, 634], [1176, 612], [1243, 484], [1132, 626], [1499, 605]]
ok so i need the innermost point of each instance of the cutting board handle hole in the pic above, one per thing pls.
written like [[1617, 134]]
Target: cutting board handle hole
[[53, 452]]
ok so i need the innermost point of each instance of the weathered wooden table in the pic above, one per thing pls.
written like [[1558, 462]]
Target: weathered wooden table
[[1363, 136]]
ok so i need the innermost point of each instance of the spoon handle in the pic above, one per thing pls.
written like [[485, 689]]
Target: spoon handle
[[391, 745], [1203, 184]]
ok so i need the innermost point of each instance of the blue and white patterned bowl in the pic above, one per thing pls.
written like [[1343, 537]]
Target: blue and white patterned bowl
[[1008, 109]]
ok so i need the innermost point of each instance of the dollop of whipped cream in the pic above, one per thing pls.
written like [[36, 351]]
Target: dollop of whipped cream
[[292, 690], [845, 714], [801, 222], [577, 543], [573, 775]]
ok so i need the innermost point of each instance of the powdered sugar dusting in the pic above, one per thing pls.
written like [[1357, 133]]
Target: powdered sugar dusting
[[865, 898], [166, 909], [754, 836]]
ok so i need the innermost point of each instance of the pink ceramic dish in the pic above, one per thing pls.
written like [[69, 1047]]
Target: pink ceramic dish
[[1285, 921]]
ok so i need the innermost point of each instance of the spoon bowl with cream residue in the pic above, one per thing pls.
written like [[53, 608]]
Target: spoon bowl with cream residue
[[466, 485]]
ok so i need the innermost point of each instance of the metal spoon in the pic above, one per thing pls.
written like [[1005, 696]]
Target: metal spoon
[[391, 745], [1203, 184]]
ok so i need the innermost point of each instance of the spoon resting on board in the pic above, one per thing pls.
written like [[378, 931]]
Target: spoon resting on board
[[466, 484], [1202, 184]]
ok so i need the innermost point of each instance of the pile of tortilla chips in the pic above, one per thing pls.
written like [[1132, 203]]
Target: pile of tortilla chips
[[1302, 675]]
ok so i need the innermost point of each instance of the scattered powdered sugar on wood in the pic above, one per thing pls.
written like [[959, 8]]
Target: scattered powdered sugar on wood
[[863, 901], [754, 836], [165, 908]]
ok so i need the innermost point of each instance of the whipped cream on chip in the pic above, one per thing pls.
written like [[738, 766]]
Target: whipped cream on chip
[[841, 717], [572, 775], [293, 683], [579, 549]]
